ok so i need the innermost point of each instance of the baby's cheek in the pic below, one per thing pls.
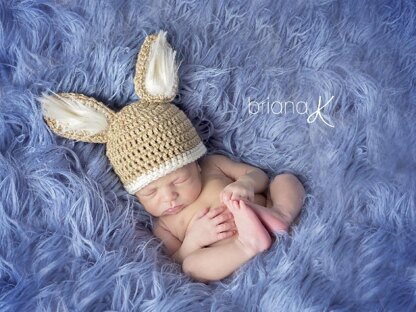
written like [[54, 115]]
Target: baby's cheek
[[193, 193], [148, 205]]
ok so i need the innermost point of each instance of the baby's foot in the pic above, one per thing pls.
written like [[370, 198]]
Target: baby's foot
[[271, 219], [252, 235]]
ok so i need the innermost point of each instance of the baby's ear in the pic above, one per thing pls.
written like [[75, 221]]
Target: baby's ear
[[76, 116], [156, 78]]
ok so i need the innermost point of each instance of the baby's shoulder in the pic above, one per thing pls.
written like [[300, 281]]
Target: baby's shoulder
[[213, 161], [211, 166]]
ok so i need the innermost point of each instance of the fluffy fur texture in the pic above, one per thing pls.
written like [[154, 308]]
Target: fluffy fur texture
[[162, 71], [71, 239], [71, 115]]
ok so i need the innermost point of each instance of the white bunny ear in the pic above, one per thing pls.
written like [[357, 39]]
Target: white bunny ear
[[76, 116], [156, 77]]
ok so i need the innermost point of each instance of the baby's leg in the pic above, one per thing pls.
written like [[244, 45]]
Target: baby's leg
[[285, 197], [216, 262]]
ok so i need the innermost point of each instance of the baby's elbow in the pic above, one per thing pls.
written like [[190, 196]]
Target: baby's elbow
[[189, 267]]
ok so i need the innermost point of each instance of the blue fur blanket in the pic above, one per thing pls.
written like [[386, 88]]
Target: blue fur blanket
[[323, 89]]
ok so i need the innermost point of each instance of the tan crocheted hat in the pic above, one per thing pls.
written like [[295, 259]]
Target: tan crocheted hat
[[145, 140]]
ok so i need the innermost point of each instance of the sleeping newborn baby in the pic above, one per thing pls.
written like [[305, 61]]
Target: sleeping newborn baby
[[213, 216]]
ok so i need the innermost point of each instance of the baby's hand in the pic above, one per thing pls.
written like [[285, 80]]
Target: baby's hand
[[212, 225], [237, 190]]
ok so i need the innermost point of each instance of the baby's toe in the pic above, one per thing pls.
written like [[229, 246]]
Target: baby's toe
[[236, 204], [243, 205]]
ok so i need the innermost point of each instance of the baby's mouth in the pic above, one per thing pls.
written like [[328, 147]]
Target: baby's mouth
[[174, 210]]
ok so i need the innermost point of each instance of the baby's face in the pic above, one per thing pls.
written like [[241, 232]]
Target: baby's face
[[173, 192]]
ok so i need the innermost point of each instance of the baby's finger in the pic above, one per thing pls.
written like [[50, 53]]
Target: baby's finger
[[232, 224], [227, 216], [224, 235], [203, 213], [229, 225], [224, 227], [215, 212], [221, 218]]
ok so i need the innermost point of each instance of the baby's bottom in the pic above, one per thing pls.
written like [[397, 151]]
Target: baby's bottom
[[275, 213], [285, 198]]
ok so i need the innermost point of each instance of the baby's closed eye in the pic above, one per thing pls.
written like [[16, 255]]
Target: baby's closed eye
[[149, 193], [181, 180]]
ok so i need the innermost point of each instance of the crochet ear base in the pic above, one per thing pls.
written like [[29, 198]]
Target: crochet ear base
[[156, 78], [76, 116]]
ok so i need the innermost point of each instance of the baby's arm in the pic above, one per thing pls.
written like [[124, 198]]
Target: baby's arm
[[210, 226], [176, 249], [220, 260], [250, 179], [204, 264], [214, 263]]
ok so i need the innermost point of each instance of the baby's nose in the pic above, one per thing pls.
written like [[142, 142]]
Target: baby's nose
[[170, 195]]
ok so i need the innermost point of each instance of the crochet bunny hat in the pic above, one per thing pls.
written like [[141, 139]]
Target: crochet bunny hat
[[145, 140]]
